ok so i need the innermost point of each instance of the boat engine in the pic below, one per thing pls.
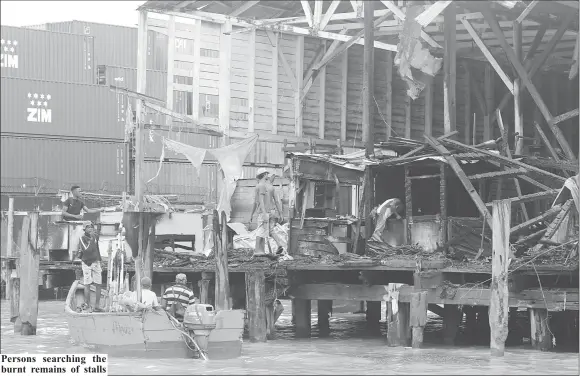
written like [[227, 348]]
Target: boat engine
[[199, 320]]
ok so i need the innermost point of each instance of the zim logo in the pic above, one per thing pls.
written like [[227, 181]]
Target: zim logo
[[9, 57], [39, 113]]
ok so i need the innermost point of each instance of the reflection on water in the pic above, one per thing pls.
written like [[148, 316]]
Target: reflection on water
[[350, 349]]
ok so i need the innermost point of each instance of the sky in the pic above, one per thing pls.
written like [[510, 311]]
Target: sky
[[25, 13]]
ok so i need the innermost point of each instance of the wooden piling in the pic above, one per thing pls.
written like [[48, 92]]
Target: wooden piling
[[205, 287], [399, 331], [9, 245], [541, 336], [222, 284], [324, 311], [451, 320], [256, 305], [418, 318], [470, 321], [29, 269], [498, 306], [373, 313], [270, 320], [303, 316], [149, 255]]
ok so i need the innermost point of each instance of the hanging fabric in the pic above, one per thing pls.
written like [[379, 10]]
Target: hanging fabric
[[231, 159], [160, 163], [193, 154]]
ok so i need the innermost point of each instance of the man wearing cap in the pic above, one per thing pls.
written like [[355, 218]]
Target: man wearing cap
[[267, 205], [91, 264], [177, 297]]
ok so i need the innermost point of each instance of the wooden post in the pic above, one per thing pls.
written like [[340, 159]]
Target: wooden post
[[467, 106], [252, 80], [324, 312], [368, 79], [274, 80], [256, 305], [303, 313], [343, 94], [408, 204], [540, 333], [373, 314], [29, 269], [470, 321], [499, 307], [489, 100], [322, 99], [149, 240], [443, 203], [418, 317], [369, 198], [9, 246], [518, 113], [299, 60], [449, 66], [428, 108], [141, 86], [204, 287], [451, 321], [389, 101], [399, 331], [222, 284]]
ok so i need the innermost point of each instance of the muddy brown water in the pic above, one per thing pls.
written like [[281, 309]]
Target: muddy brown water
[[350, 349]]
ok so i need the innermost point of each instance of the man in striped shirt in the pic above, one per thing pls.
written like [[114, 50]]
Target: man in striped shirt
[[177, 297]]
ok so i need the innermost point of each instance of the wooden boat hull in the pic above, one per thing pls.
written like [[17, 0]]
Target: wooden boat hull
[[124, 333]]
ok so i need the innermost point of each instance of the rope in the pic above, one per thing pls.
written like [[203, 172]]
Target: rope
[[172, 320]]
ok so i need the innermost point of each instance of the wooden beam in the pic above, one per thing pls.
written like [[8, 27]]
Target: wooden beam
[[222, 284], [182, 117], [348, 16], [329, 13], [252, 81], [488, 55], [400, 15], [9, 245], [467, 106], [489, 100], [307, 12], [544, 216], [343, 96], [274, 80], [450, 69], [141, 85], [566, 116], [407, 116], [538, 38], [491, 19], [430, 13], [461, 176], [530, 197], [287, 68], [317, 14], [256, 305], [322, 101], [499, 295], [389, 101], [368, 83], [574, 69], [518, 110], [428, 109], [527, 11], [299, 60], [476, 89], [242, 8]]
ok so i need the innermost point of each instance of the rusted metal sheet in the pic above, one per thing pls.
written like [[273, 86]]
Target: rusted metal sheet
[[181, 179], [44, 55], [35, 107], [58, 164]]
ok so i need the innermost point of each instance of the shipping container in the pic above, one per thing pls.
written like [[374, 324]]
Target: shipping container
[[117, 45], [35, 107], [156, 81], [181, 179], [58, 164], [48, 56]]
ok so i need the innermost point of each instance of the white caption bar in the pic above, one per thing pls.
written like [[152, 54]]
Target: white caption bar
[[51, 364]]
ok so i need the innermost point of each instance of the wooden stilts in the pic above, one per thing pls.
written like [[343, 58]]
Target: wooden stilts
[[540, 332], [270, 321], [222, 284], [451, 321], [399, 331], [303, 316], [149, 254], [499, 308], [205, 287], [373, 313], [9, 245], [15, 305], [418, 318], [470, 321], [256, 305], [29, 269], [293, 312], [324, 311]]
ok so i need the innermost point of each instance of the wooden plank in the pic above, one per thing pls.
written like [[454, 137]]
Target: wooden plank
[[256, 303], [467, 137], [527, 11], [343, 96], [302, 313], [243, 7], [554, 225], [546, 215], [252, 80], [488, 55], [401, 15], [317, 16], [322, 101], [489, 100], [462, 177], [368, 82], [499, 295], [389, 101], [504, 173], [555, 299], [307, 12], [430, 13], [28, 273], [540, 132], [476, 89], [10, 251], [541, 335], [565, 116], [222, 284], [418, 318], [329, 13], [299, 69], [450, 69], [274, 80], [530, 197], [521, 71], [407, 116], [518, 109]]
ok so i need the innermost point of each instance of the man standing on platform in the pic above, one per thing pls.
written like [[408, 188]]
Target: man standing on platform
[[91, 264], [72, 207], [269, 210]]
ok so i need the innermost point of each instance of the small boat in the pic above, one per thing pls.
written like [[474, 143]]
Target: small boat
[[215, 335]]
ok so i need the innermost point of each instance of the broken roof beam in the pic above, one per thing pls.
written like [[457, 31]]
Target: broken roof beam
[[181, 117], [329, 14], [531, 197], [495, 174], [435, 144], [521, 71], [552, 212], [242, 8], [401, 15], [488, 55], [527, 11], [566, 116], [431, 13]]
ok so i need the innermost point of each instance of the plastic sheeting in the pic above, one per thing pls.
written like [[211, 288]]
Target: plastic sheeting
[[194, 155]]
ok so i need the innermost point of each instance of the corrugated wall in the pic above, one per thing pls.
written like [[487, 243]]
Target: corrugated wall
[[43, 55], [37, 107], [93, 165]]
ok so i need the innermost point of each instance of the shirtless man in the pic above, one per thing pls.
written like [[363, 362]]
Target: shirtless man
[[381, 213], [269, 211]]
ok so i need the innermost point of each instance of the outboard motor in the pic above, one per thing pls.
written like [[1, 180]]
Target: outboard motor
[[199, 320]]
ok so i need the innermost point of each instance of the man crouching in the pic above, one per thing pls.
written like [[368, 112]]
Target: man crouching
[[91, 264]]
